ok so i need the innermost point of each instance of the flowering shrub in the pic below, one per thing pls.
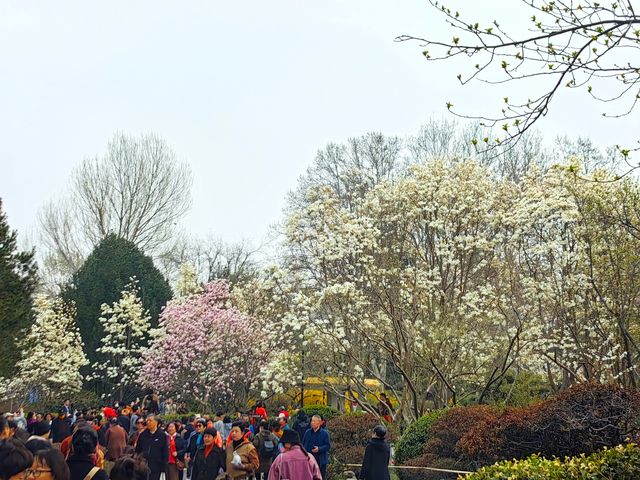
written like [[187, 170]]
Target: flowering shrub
[[52, 341], [619, 463], [415, 437]]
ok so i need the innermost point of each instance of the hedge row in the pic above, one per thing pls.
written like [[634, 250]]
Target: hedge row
[[327, 413], [582, 419], [618, 463]]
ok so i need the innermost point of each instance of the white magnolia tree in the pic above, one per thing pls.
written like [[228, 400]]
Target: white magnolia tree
[[441, 283], [187, 283], [52, 354], [127, 328]]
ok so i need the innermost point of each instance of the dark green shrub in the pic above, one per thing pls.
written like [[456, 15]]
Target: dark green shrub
[[415, 437], [428, 460], [618, 463], [523, 389], [327, 413], [170, 417]]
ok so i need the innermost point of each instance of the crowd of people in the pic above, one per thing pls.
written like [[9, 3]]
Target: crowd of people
[[120, 442]]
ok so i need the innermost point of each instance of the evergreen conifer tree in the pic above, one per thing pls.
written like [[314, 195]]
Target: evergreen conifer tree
[[18, 279]]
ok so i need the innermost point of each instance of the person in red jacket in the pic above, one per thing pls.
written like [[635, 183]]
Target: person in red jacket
[[259, 414]]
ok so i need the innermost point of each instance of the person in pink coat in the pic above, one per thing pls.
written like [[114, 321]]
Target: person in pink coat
[[294, 463]]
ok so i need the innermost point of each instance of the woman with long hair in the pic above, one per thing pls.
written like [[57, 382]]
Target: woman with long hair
[[294, 461], [82, 461]]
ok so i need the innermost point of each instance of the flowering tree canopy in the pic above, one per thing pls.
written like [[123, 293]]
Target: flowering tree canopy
[[51, 353], [208, 349], [448, 279], [127, 328], [187, 283]]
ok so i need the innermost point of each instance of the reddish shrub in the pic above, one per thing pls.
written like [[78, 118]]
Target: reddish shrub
[[487, 441], [582, 419], [448, 429], [350, 434]]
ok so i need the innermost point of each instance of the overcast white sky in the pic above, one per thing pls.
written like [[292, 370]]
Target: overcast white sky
[[245, 91]]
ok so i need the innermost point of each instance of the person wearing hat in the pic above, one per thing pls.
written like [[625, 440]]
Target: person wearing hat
[[209, 460], [375, 465], [317, 442], [242, 456], [294, 461], [283, 421]]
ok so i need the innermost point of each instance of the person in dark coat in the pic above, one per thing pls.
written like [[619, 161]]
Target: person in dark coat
[[17, 432], [375, 465], [301, 424], [154, 447], [317, 442], [193, 442], [60, 428], [82, 461], [124, 420], [266, 444], [209, 458]]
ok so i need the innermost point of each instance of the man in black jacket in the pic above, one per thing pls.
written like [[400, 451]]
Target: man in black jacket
[[60, 428], [154, 447], [375, 465]]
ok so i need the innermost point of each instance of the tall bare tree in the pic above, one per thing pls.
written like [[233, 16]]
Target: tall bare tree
[[136, 190], [212, 258]]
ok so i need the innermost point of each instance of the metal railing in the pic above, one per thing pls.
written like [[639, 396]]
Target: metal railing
[[433, 469]]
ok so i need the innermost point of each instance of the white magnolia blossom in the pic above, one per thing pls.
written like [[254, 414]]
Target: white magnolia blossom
[[127, 330], [441, 281], [52, 353], [187, 283]]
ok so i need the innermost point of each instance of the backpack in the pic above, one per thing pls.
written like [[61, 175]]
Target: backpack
[[267, 447]]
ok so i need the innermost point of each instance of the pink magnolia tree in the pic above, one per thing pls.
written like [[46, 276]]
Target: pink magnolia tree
[[206, 350]]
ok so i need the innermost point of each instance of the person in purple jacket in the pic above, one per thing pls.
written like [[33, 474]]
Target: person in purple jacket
[[294, 463]]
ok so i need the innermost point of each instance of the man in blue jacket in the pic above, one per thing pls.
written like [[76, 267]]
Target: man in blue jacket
[[317, 442]]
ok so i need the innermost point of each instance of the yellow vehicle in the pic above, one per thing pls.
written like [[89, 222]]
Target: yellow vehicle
[[334, 392]]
